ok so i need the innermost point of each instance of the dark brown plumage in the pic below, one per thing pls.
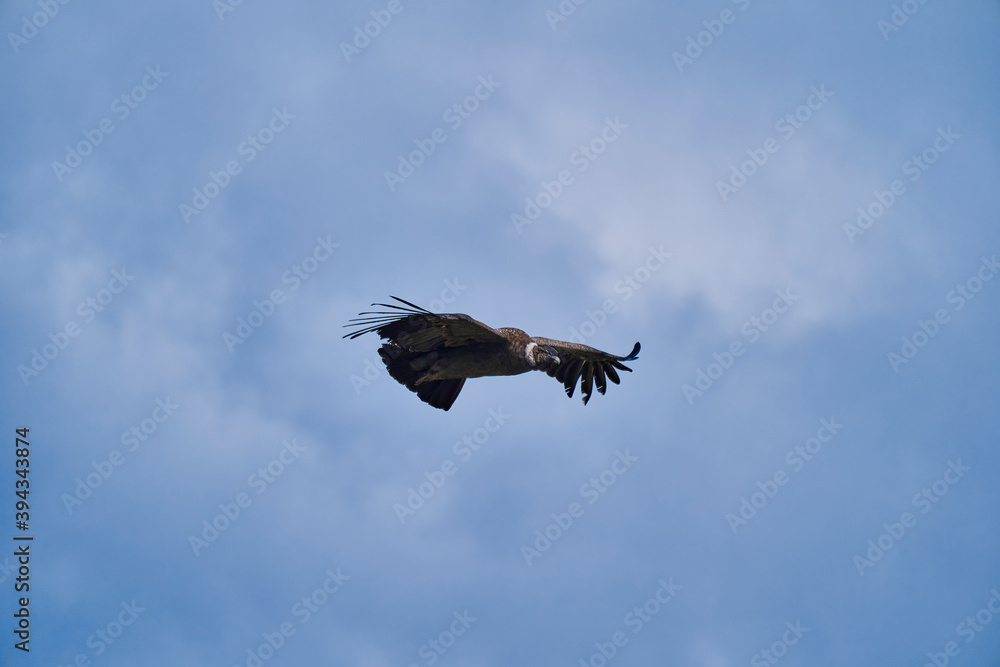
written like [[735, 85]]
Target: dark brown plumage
[[432, 354]]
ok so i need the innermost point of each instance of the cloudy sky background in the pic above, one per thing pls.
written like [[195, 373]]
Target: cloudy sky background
[[444, 238]]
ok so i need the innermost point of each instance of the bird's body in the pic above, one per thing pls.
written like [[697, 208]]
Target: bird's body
[[433, 354], [470, 361]]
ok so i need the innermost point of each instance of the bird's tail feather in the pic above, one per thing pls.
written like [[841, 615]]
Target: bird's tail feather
[[437, 393], [440, 393]]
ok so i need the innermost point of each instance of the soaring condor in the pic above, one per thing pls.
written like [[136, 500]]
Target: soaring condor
[[433, 354]]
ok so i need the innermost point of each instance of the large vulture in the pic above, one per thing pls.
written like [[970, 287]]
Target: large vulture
[[432, 354]]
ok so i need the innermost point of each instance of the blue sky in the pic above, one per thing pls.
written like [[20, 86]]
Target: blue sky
[[792, 207]]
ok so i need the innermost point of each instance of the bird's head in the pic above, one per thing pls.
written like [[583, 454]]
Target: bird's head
[[542, 356]]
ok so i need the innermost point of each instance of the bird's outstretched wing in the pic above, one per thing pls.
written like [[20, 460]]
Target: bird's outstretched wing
[[593, 365], [416, 329]]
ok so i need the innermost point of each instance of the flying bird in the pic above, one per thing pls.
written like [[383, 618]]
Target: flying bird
[[432, 354]]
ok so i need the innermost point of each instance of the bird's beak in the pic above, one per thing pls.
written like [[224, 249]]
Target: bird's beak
[[556, 359]]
